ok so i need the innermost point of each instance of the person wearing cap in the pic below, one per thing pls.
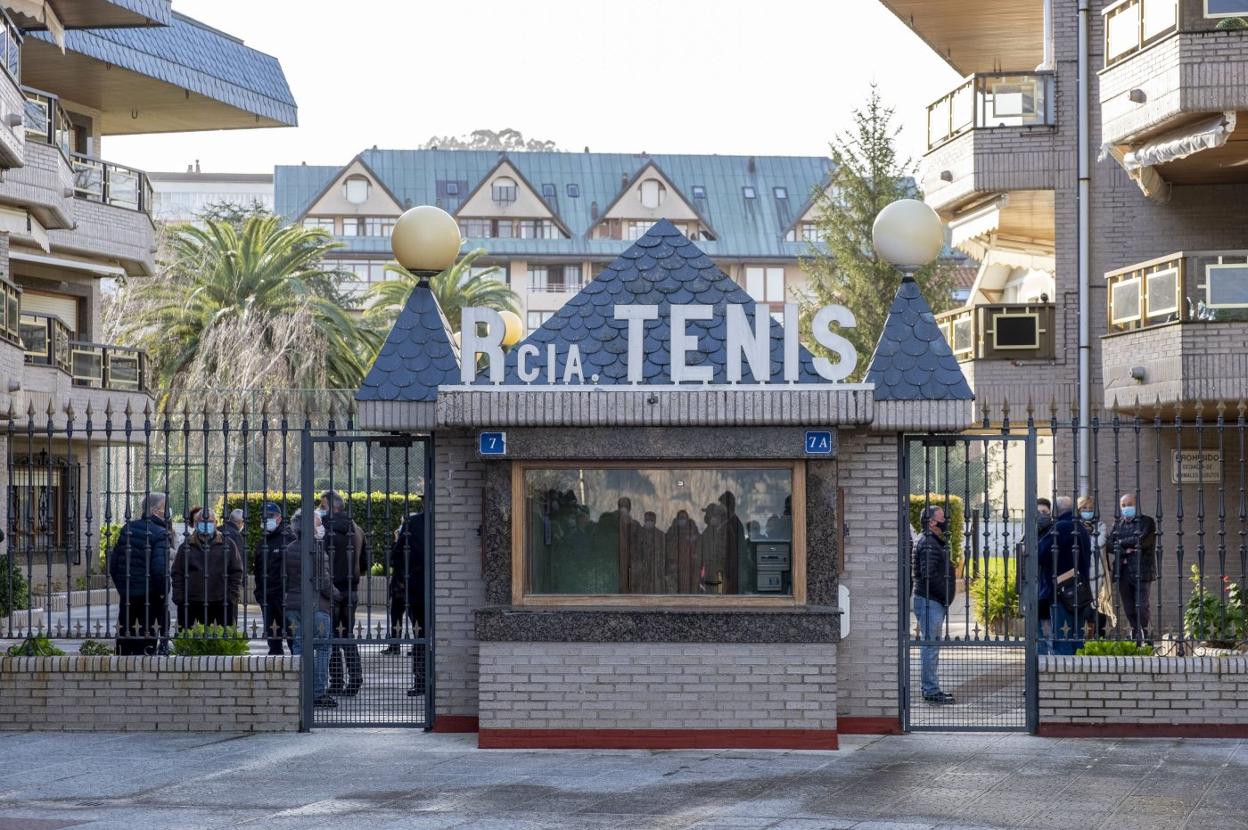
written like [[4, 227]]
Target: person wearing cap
[[268, 577]]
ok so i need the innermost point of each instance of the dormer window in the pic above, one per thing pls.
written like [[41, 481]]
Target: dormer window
[[748, 192], [699, 192], [548, 191], [356, 189], [781, 193], [652, 193], [503, 190]]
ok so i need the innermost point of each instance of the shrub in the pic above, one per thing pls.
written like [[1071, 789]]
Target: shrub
[[94, 648], [994, 595], [953, 514], [1114, 648], [14, 590], [1215, 617], [109, 534], [369, 510], [35, 647], [378, 569], [1231, 24], [203, 640]]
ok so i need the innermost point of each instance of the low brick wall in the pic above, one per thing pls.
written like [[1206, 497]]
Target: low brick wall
[[148, 694], [657, 695], [1141, 696]]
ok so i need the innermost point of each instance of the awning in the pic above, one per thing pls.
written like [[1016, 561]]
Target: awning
[[1205, 134], [977, 223], [20, 225], [38, 13], [72, 264]]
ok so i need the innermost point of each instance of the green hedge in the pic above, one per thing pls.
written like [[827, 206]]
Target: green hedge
[[994, 595], [14, 591], [1113, 648], [379, 529], [203, 640], [954, 514], [109, 534]]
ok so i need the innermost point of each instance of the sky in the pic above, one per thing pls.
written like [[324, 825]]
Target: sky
[[753, 77]]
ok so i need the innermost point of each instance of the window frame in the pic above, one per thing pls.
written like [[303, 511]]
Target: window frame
[[698, 191], [519, 559], [1036, 330], [1220, 15], [1210, 268], [574, 190], [346, 188], [1114, 319], [1173, 273]]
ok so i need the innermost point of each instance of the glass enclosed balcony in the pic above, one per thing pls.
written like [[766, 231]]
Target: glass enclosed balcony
[[991, 100], [46, 121], [1191, 286], [1000, 331], [97, 366], [102, 181], [46, 340]]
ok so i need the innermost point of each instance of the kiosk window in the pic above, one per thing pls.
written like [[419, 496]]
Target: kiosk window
[[712, 531]]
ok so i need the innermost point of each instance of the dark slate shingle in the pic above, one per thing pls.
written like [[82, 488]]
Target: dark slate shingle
[[912, 361], [419, 355]]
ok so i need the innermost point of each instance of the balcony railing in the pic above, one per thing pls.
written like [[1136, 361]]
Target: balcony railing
[[556, 287], [1188, 286], [10, 47], [1131, 26], [990, 100], [102, 181], [1000, 331], [46, 121], [10, 313], [99, 366], [46, 340]]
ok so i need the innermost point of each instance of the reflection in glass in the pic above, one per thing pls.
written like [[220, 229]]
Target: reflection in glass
[[658, 531]]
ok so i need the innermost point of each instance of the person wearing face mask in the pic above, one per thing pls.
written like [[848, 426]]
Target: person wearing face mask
[[932, 576], [232, 530], [1102, 583], [270, 586], [1133, 542], [326, 596], [207, 576], [139, 567]]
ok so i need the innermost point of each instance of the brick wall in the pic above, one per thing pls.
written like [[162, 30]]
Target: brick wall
[[459, 589], [1144, 695], [146, 694], [113, 232], [990, 161], [654, 686], [867, 659], [42, 183]]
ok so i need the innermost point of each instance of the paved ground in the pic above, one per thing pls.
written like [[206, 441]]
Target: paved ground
[[395, 779]]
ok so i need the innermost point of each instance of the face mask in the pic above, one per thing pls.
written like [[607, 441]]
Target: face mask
[[270, 525], [943, 527], [206, 528], [320, 533], [320, 511], [1087, 515], [1045, 520], [1128, 512]]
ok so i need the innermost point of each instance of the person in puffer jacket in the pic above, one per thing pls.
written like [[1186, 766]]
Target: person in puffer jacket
[[934, 587], [139, 567]]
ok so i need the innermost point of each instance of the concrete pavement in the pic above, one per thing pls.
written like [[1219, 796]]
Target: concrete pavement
[[381, 779]]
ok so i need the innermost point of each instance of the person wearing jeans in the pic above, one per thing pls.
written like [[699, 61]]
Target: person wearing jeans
[[934, 587], [326, 595], [320, 653]]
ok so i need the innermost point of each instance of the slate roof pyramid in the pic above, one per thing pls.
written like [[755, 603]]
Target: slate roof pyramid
[[913, 361], [662, 268], [419, 354]]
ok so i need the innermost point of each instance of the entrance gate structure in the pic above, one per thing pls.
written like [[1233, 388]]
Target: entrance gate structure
[[986, 646]]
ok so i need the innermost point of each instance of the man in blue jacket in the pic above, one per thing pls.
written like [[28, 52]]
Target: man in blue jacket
[[1065, 573], [139, 567]]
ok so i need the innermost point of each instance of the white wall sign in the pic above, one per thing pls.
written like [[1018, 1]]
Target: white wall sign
[[1195, 467], [482, 333]]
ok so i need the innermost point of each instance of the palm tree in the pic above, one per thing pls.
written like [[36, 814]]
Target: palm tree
[[246, 305], [456, 288]]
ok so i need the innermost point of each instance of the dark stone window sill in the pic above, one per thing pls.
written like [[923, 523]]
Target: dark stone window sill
[[811, 624]]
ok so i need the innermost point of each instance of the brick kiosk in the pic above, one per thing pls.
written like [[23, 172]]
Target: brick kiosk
[[626, 558]]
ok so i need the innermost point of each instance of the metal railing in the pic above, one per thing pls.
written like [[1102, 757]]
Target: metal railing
[[100, 366], [46, 121], [1188, 286], [46, 340], [991, 100], [545, 287], [10, 313], [113, 184], [1131, 26], [1001, 331], [10, 47]]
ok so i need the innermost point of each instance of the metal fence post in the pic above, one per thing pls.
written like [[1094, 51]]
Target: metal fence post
[[307, 660], [430, 541], [1031, 579], [903, 586]]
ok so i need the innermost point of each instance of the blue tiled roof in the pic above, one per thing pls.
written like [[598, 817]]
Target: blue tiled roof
[[418, 356], [157, 11], [912, 361], [196, 57], [662, 268], [745, 227]]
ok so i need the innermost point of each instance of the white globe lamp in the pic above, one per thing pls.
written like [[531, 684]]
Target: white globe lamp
[[514, 328], [908, 234], [425, 240]]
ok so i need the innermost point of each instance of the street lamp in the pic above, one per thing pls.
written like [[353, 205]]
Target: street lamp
[[908, 234], [514, 328], [425, 241]]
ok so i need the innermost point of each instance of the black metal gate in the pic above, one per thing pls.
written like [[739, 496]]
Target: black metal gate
[[967, 655], [368, 559]]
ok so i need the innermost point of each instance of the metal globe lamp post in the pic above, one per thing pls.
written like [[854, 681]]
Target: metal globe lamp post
[[908, 235], [425, 241]]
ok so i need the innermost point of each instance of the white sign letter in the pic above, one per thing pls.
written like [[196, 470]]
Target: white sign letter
[[522, 362], [471, 344], [755, 345], [847, 355], [572, 367], [792, 367], [636, 315], [683, 343]]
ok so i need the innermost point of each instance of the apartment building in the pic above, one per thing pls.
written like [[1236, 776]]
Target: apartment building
[[71, 75], [551, 221], [183, 197]]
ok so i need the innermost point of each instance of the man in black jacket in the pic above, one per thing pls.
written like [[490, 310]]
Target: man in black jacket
[[139, 567], [407, 588], [933, 579], [348, 555], [268, 577], [1133, 542]]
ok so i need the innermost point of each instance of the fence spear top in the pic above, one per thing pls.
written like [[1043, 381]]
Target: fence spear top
[[129, 410], [1031, 408], [1053, 409], [1221, 410], [245, 409], [90, 411], [69, 410], [12, 413], [1242, 407], [147, 409], [51, 408]]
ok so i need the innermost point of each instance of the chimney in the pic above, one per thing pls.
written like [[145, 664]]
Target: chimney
[[196, 165], [623, 181], [750, 166], [190, 168], [587, 148], [593, 211]]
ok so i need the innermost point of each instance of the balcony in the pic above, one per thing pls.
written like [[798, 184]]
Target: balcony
[[1178, 329], [10, 313], [11, 139], [1170, 64], [99, 366], [994, 133], [46, 340], [46, 121], [1000, 331], [111, 208]]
